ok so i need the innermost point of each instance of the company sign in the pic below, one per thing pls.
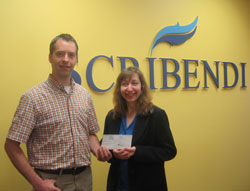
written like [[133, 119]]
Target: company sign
[[174, 35]]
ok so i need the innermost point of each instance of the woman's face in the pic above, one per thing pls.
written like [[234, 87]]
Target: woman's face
[[131, 88]]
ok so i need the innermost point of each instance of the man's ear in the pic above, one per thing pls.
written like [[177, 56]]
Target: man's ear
[[50, 58]]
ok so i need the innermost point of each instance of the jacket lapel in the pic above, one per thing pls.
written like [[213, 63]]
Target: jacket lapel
[[140, 126], [116, 126]]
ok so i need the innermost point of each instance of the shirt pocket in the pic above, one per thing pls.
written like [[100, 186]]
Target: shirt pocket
[[82, 117]]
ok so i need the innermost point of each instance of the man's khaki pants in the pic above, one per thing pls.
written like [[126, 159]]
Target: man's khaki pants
[[69, 182]]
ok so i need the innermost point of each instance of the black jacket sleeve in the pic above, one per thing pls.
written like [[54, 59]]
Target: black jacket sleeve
[[157, 144]]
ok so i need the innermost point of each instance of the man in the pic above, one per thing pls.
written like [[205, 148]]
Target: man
[[57, 121]]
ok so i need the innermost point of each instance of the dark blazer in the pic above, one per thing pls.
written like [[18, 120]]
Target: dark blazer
[[154, 144]]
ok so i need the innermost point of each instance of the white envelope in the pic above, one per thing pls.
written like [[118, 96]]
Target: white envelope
[[116, 141]]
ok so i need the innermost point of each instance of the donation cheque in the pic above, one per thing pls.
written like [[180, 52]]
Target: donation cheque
[[116, 141]]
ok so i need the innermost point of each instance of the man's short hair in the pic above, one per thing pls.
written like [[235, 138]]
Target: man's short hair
[[64, 36]]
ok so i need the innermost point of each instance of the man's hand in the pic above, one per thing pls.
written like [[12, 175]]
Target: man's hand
[[103, 154], [125, 153], [47, 185]]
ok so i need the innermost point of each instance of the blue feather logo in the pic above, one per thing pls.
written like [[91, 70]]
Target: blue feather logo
[[175, 34]]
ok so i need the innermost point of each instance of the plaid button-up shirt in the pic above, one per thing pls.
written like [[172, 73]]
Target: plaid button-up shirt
[[55, 125]]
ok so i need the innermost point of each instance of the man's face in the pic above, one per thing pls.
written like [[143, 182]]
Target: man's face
[[63, 59]]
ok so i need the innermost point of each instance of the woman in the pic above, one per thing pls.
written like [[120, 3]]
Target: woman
[[140, 167]]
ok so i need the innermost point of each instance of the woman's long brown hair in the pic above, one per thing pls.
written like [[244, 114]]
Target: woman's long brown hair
[[143, 104]]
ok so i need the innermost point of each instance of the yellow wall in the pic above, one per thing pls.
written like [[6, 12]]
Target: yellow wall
[[211, 127]]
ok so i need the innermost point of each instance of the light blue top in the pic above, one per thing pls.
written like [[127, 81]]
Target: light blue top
[[123, 184]]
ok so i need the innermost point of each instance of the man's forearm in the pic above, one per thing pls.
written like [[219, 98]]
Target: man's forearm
[[20, 161], [94, 144]]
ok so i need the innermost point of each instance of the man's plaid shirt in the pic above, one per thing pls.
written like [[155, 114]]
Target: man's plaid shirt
[[55, 125]]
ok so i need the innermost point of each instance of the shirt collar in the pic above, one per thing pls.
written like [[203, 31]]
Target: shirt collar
[[52, 80]]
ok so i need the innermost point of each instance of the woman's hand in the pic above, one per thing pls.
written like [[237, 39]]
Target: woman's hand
[[125, 153]]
